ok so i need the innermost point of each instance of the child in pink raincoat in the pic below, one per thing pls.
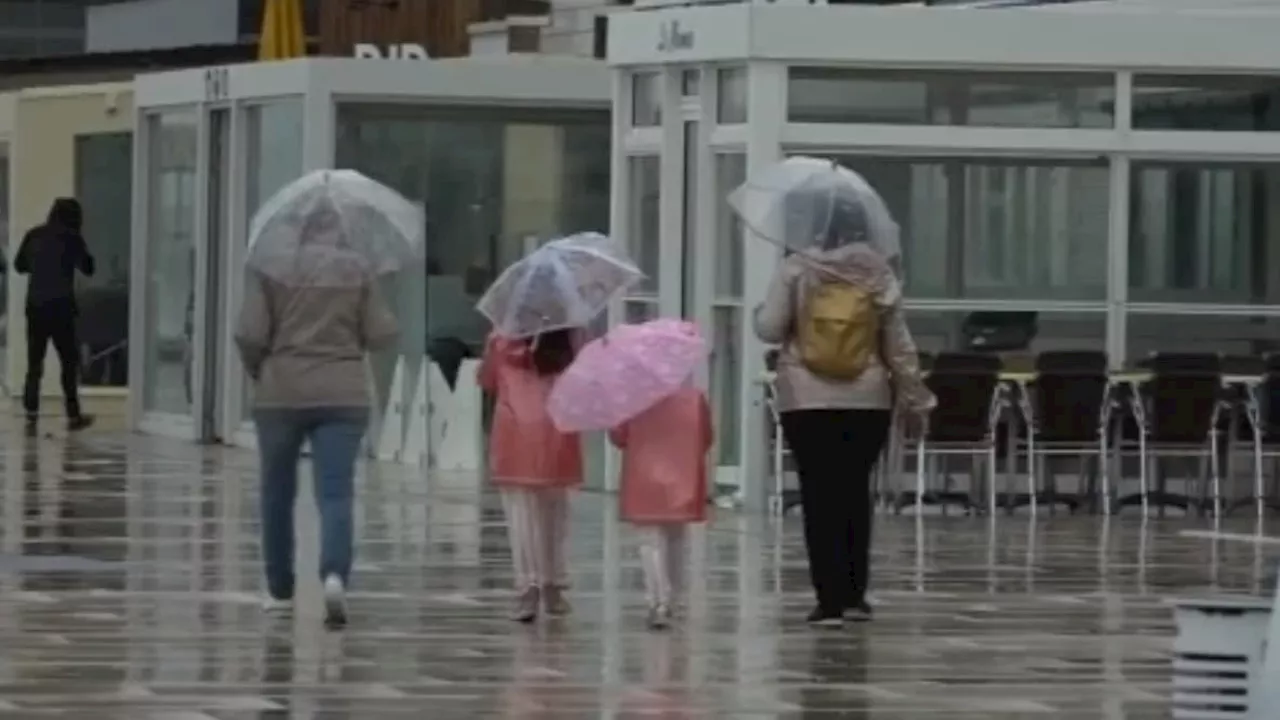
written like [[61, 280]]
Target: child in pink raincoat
[[664, 488], [533, 463]]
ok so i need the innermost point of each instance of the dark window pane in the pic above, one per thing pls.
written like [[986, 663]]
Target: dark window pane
[[104, 168], [1229, 335], [997, 228], [1061, 100], [1204, 233], [1222, 102]]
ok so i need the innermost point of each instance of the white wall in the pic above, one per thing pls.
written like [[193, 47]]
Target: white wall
[[572, 26]]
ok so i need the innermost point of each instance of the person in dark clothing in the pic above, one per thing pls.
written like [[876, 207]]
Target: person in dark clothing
[[50, 255], [837, 425]]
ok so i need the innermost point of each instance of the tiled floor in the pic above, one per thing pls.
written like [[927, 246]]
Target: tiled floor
[[129, 582]]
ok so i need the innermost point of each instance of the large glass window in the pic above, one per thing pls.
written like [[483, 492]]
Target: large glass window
[[104, 169], [489, 182], [1213, 102], [726, 352], [646, 99], [170, 242], [731, 100], [274, 146], [915, 97], [642, 222], [997, 228], [1204, 233], [1018, 336], [1226, 334], [731, 171]]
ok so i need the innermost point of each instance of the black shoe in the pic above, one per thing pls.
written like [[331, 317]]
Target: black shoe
[[825, 618], [79, 422], [859, 612]]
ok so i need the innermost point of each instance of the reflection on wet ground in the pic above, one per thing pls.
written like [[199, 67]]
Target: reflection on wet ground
[[129, 589]]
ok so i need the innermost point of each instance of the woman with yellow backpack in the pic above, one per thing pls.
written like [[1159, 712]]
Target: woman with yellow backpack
[[846, 357]]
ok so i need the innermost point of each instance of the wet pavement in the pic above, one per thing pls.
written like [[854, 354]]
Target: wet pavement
[[130, 589]]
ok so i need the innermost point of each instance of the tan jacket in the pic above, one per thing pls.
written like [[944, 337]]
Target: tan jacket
[[895, 373], [305, 346]]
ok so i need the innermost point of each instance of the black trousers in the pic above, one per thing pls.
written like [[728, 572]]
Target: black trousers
[[835, 452], [54, 323]]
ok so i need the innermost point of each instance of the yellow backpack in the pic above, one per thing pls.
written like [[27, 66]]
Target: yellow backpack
[[839, 330]]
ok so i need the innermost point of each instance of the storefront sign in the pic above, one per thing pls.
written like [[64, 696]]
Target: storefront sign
[[672, 37], [394, 51], [399, 29]]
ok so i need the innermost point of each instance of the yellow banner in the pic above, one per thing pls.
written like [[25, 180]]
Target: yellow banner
[[282, 36]]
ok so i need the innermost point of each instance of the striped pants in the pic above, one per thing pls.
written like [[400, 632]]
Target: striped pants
[[662, 549], [538, 527]]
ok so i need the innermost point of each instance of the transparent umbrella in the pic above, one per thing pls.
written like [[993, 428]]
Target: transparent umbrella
[[564, 284], [335, 228], [810, 205]]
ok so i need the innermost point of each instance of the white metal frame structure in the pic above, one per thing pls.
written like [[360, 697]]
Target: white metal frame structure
[[744, 53], [7, 103], [220, 213]]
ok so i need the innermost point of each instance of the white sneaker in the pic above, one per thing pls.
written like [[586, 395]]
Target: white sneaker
[[335, 602], [276, 606]]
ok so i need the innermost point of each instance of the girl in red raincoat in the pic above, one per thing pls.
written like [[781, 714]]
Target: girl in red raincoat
[[534, 464], [664, 488]]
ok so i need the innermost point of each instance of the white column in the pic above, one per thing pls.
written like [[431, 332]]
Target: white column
[[232, 252], [200, 282], [1118, 229], [1118, 260], [319, 128], [766, 115], [619, 220], [706, 207]]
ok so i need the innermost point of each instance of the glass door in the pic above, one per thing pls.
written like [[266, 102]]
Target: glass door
[[168, 157], [214, 310], [269, 135]]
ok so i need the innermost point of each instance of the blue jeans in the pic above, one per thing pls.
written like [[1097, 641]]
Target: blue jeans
[[335, 435]]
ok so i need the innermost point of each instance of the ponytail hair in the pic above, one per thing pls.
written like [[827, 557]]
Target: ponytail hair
[[552, 352]]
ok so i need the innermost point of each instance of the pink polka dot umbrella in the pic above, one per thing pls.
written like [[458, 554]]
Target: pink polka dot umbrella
[[629, 370]]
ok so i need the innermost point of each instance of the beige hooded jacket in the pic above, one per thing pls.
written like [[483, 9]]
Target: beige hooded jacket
[[894, 375]]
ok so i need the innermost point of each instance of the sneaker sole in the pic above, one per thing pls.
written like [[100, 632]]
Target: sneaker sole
[[335, 611], [828, 623]]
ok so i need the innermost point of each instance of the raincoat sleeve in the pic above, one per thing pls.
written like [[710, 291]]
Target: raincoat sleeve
[[487, 375], [253, 331], [773, 317], [899, 351], [378, 327], [84, 258], [706, 424], [22, 261], [618, 436]]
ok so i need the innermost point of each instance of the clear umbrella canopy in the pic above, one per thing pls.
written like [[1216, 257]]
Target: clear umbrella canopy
[[564, 284], [811, 205], [335, 228]]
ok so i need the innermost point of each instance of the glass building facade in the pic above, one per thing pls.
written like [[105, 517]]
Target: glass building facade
[[1124, 200], [497, 170], [37, 28]]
